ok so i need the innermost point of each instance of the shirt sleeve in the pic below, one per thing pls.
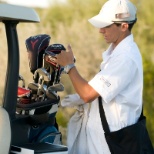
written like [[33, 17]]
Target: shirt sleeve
[[114, 78]]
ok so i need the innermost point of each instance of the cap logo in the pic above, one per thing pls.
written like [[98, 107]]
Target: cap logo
[[122, 15]]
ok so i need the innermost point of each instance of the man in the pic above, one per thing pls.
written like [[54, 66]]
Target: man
[[120, 80]]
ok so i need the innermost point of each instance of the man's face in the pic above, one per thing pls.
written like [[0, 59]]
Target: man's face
[[114, 33]]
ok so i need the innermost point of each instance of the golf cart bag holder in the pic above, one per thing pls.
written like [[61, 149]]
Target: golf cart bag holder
[[36, 46], [36, 124], [39, 112]]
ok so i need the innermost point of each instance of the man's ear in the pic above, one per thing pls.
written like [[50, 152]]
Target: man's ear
[[124, 26]]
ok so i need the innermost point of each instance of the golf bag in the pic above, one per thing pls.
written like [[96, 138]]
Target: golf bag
[[39, 100]]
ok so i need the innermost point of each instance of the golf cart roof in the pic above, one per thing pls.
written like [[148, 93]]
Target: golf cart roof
[[18, 13]]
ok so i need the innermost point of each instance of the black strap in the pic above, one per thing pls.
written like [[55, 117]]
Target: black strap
[[103, 117]]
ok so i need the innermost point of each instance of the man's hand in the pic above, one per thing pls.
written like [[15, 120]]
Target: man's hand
[[65, 57]]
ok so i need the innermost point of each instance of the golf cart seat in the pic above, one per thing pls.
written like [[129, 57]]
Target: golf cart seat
[[5, 140]]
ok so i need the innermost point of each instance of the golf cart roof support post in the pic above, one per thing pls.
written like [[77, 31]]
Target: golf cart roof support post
[[11, 83]]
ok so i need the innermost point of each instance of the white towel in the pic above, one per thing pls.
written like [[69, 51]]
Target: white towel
[[76, 138], [72, 101]]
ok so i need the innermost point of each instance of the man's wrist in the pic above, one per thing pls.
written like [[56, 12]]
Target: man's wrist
[[68, 67]]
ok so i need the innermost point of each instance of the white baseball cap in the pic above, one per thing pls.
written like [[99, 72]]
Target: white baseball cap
[[114, 11]]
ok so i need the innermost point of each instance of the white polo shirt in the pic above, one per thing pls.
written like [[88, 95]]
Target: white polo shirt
[[120, 84]]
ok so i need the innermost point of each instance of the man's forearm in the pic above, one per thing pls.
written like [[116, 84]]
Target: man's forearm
[[86, 92]]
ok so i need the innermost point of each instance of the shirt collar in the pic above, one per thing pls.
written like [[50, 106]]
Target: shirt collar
[[108, 52], [123, 44]]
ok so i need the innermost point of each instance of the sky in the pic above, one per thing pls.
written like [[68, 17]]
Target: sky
[[32, 3]]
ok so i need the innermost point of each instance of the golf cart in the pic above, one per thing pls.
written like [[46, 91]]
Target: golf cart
[[17, 117]]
